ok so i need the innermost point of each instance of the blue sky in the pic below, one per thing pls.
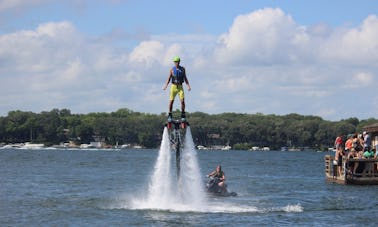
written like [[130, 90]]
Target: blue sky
[[158, 17], [272, 57]]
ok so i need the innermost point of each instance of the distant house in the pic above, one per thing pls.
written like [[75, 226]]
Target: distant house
[[373, 130], [213, 136]]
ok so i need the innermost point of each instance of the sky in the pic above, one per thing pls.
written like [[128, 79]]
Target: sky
[[271, 57]]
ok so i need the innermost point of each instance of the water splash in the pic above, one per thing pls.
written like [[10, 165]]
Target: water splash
[[160, 189], [190, 181], [187, 194], [165, 192]]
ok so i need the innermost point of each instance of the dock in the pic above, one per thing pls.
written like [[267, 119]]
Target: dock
[[366, 172]]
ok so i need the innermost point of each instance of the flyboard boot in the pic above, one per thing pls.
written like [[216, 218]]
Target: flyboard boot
[[169, 120], [183, 120]]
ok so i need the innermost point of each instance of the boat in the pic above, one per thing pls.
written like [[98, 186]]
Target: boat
[[254, 148], [86, 146], [200, 147], [214, 189], [125, 146], [32, 146], [366, 174], [226, 148], [12, 146]]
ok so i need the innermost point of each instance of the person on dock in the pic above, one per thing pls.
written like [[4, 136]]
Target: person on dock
[[356, 144], [359, 150], [349, 144], [369, 166], [339, 153], [352, 154], [339, 158], [339, 142], [177, 76], [218, 173], [367, 141]]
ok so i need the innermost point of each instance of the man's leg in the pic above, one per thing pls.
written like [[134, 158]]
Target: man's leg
[[170, 106], [182, 99], [172, 94], [182, 105]]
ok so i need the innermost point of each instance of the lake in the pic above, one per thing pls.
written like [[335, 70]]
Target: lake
[[102, 187]]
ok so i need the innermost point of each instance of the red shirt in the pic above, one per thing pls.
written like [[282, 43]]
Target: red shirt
[[348, 144], [339, 140]]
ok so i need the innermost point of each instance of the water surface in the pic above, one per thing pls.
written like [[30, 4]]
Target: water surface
[[102, 188]]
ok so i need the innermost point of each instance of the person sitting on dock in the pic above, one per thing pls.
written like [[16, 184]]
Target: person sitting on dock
[[352, 165], [369, 166], [369, 154], [218, 173], [356, 144]]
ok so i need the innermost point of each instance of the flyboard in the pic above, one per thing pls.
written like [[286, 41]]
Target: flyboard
[[177, 130]]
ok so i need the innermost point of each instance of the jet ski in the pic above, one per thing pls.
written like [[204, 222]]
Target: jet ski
[[214, 189]]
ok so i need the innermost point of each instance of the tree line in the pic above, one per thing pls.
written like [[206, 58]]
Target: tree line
[[125, 126]]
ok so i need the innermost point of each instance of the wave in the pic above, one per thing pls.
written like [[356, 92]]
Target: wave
[[211, 207]]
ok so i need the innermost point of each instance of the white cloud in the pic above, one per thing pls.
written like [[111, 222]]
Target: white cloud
[[56, 31], [358, 46], [269, 36], [147, 52], [266, 62], [131, 77], [264, 36], [73, 70], [30, 51], [360, 80]]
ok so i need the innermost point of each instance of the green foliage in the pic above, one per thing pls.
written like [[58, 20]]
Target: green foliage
[[242, 146], [241, 131]]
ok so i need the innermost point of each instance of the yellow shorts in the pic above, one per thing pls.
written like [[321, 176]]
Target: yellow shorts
[[176, 89]]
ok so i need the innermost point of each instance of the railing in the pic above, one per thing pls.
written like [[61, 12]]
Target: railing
[[363, 169], [331, 170]]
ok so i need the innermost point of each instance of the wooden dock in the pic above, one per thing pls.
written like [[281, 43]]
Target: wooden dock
[[365, 174]]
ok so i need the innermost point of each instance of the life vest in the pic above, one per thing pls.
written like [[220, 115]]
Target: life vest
[[219, 174], [178, 74]]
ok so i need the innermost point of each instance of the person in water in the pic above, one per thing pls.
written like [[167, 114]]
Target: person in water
[[218, 173], [177, 76]]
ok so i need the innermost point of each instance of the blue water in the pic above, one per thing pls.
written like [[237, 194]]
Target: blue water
[[101, 187]]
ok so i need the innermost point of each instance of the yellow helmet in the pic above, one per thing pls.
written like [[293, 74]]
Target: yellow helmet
[[176, 59]]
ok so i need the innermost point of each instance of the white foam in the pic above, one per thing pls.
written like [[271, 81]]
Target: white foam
[[160, 192], [211, 207], [191, 185], [293, 208], [165, 192]]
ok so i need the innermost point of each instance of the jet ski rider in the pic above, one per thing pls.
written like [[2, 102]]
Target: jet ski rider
[[218, 173]]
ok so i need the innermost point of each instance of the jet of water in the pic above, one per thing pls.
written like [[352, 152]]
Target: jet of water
[[160, 188], [165, 192], [192, 187]]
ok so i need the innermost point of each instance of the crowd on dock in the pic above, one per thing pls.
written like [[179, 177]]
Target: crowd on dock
[[356, 146]]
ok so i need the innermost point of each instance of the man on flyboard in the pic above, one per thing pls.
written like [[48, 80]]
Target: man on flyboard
[[177, 76]]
